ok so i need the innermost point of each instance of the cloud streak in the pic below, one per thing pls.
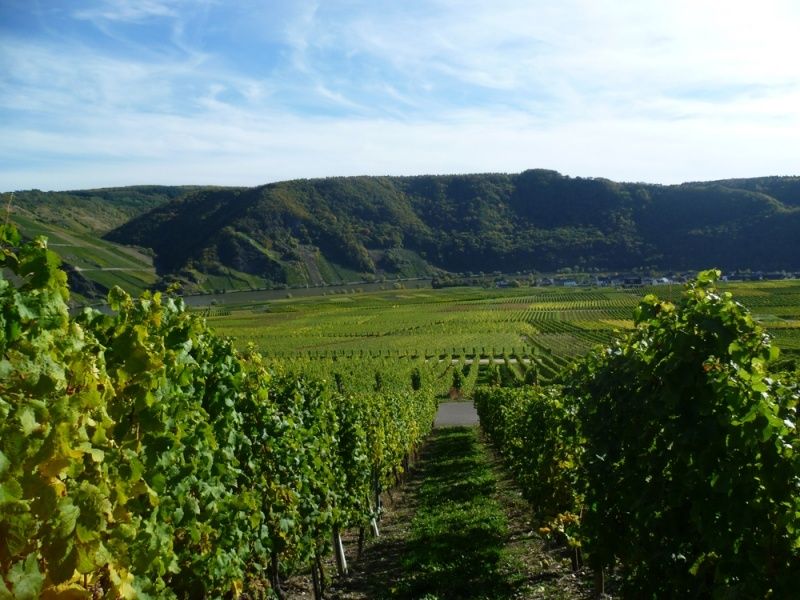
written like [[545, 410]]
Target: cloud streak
[[249, 92]]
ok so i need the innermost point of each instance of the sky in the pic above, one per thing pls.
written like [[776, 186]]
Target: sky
[[99, 93]]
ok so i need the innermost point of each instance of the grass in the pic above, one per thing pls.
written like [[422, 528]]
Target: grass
[[459, 528], [471, 534], [457, 543]]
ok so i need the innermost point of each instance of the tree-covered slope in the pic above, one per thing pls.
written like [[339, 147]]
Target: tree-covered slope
[[314, 230], [783, 189], [73, 222], [96, 211]]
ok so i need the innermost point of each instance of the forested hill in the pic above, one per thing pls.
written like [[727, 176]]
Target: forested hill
[[94, 211], [73, 222], [322, 229]]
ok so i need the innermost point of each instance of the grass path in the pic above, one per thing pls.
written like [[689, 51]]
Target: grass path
[[459, 529], [458, 532]]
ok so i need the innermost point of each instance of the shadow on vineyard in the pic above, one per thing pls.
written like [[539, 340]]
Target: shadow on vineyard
[[459, 530]]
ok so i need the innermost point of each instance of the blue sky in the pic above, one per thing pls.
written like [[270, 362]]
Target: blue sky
[[98, 93]]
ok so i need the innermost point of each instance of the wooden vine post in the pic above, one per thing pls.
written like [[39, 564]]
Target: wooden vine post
[[599, 582]]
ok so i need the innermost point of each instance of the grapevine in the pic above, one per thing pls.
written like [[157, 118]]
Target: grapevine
[[142, 456]]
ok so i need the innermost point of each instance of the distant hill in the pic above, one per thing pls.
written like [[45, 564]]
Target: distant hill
[[349, 228], [96, 211], [74, 222], [323, 230]]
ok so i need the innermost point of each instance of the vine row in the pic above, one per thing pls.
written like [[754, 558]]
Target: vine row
[[142, 456], [670, 457]]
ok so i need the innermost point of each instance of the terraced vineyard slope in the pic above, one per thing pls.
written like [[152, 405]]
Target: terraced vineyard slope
[[548, 328]]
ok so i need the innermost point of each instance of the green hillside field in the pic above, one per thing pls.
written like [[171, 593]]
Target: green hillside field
[[554, 324]]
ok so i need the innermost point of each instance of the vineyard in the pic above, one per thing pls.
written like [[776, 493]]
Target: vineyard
[[142, 456], [550, 327], [143, 453], [664, 461], [668, 458]]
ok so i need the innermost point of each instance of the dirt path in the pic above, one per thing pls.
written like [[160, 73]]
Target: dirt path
[[457, 529]]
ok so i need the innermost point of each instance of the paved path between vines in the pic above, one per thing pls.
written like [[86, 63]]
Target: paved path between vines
[[456, 414]]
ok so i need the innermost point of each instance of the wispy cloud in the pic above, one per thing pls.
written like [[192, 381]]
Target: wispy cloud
[[129, 10], [251, 91], [41, 79]]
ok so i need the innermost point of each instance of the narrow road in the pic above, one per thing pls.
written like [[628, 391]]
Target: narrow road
[[456, 414], [87, 269]]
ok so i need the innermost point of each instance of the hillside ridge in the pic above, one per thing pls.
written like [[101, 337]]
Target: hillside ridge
[[299, 231], [341, 229]]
